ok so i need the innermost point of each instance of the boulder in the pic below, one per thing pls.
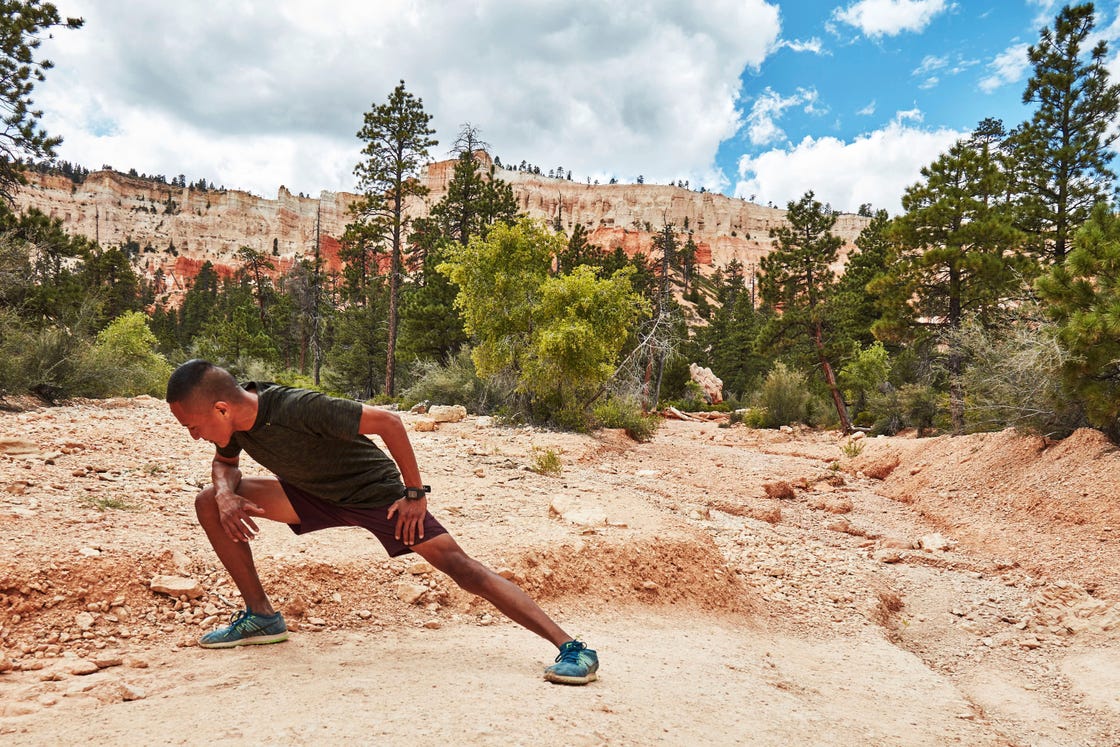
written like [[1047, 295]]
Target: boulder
[[176, 586], [711, 384], [447, 413]]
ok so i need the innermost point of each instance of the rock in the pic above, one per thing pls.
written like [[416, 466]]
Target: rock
[[887, 556], [136, 662], [834, 504], [131, 692], [317, 621], [935, 542], [89, 552], [419, 408], [410, 593], [647, 473], [433, 625], [420, 568], [649, 585], [424, 425], [447, 413], [83, 667], [17, 446], [781, 490], [104, 662], [84, 620], [5, 663], [177, 586], [570, 509], [711, 384]]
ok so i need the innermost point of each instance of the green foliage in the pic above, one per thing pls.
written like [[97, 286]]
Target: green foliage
[[454, 382], [499, 282], [864, 375], [797, 277], [1082, 296], [627, 414], [397, 137], [1062, 153], [581, 323], [546, 462], [23, 25], [784, 397], [852, 448], [123, 361], [1014, 376]]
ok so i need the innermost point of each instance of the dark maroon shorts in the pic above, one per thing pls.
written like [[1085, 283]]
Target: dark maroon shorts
[[315, 513]]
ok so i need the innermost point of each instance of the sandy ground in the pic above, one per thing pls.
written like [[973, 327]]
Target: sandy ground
[[740, 586]]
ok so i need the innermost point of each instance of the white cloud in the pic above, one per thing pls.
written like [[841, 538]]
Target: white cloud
[[874, 168], [813, 45], [256, 93], [1008, 67], [877, 18], [868, 110], [762, 126], [930, 63]]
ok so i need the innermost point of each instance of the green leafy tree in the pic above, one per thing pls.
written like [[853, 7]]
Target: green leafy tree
[[728, 341], [797, 279], [1082, 295], [23, 23], [397, 138], [108, 277], [1064, 150], [581, 324], [123, 360], [499, 282]]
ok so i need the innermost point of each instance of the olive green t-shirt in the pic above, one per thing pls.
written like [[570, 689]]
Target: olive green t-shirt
[[311, 440]]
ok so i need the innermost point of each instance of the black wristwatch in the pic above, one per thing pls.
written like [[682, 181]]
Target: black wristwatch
[[415, 494]]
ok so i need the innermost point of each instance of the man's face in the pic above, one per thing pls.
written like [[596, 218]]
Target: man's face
[[209, 422]]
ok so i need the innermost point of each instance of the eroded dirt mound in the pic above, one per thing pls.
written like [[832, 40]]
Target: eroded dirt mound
[[1049, 506]]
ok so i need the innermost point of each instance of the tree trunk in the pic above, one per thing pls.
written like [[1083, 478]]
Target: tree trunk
[[830, 378]]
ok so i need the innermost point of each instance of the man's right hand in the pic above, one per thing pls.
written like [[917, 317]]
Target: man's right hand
[[237, 516]]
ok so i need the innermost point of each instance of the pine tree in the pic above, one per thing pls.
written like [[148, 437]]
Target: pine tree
[[1063, 152], [797, 278], [397, 138], [22, 24], [956, 253]]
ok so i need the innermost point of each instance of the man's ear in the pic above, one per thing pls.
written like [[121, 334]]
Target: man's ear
[[222, 408]]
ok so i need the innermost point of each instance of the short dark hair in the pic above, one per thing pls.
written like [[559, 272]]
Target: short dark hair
[[197, 379]]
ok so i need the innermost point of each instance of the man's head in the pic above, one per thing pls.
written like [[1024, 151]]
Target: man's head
[[203, 398]]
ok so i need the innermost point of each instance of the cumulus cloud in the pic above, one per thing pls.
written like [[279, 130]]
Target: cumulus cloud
[[762, 125], [874, 168], [258, 93], [876, 18], [1008, 67]]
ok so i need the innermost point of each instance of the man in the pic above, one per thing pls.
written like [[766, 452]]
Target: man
[[327, 473]]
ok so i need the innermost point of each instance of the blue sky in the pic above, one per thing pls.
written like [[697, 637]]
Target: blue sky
[[754, 98]]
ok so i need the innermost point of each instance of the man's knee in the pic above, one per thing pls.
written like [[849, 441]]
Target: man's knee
[[462, 568], [204, 504]]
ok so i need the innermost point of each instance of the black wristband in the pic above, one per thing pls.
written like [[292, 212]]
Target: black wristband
[[415, 494]]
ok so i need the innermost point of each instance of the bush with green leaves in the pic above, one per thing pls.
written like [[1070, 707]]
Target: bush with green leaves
[[863, 375], [627, 414], [123, 361], [453, 382], [785, 396], [1014, 376]]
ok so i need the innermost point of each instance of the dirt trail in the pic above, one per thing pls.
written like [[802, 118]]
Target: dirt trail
[[741, 587]]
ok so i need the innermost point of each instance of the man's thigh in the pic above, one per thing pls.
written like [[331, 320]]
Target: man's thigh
[[268, 493]]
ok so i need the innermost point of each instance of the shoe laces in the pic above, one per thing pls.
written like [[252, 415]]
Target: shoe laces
[[239, 617], [570, 651]]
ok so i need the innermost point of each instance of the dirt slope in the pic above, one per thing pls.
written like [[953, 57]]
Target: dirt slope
[[741, 587]]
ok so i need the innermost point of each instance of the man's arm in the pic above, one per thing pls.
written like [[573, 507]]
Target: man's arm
[[236, 512], [390, 428]]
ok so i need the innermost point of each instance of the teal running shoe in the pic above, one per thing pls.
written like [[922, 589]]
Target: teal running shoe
[[576, 664], [247, 628]]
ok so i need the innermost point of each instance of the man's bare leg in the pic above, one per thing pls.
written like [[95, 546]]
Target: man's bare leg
[[443, 552], [237, 557]]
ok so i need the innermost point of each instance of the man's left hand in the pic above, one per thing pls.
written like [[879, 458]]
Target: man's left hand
[[410, 519]]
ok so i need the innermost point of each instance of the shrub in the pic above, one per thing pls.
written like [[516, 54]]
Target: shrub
[[784, 396], [123, 361], [546, 462], [627, 415], [453, 383]]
